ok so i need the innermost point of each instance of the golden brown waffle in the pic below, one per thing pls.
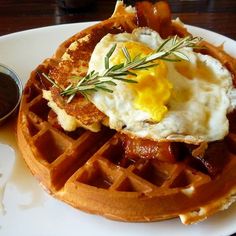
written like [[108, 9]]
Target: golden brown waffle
[[87, 169]]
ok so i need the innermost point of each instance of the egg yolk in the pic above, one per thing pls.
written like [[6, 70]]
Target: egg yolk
[[153, 89]]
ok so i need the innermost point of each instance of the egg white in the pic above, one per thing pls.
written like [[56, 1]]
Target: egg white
[[197, 108]]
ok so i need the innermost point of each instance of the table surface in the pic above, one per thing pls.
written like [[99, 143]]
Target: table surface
[[15, 15]]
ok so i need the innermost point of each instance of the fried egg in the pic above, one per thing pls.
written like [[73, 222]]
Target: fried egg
[[184, 101]]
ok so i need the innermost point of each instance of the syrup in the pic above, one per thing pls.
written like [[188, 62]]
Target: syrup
[[9, 94], [20, 175]]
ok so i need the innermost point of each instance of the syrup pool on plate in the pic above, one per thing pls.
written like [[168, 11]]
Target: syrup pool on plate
[[13, 170]]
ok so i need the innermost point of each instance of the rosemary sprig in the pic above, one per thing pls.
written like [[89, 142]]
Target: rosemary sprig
[[94, 81], [51, 81]]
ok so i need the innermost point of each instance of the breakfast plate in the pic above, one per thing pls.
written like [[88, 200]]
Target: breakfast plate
[[25, 209]]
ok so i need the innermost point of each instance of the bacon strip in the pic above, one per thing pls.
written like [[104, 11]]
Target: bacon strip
[[212, 158], [143, 148], [155, 16]]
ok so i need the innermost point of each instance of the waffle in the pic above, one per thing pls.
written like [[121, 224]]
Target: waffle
[[87, 170]]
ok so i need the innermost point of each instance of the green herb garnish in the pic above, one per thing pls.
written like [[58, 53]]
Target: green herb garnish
[[95, 81]]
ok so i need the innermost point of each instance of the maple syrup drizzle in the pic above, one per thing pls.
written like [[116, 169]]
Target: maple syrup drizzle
[[20, 176]]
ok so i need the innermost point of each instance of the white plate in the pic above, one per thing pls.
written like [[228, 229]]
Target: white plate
[[31, 211]]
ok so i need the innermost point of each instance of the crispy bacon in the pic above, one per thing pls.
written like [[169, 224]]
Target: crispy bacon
[[155, 16], [212, 157], [143, 148]]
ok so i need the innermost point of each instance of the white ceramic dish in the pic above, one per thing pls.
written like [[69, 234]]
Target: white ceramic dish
[[31, 211]]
